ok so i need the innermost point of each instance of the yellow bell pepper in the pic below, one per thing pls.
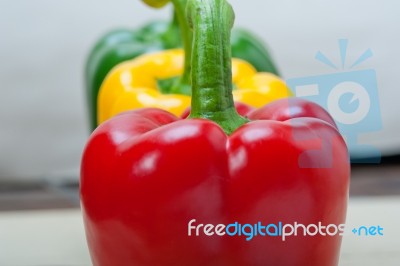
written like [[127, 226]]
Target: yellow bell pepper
[[133, 84]]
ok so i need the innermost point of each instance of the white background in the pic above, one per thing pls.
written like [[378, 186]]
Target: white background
[[43, 45]]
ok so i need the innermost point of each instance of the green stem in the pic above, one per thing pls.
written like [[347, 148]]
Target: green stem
[[183, 86], [212, 21], [156, 3], [169, 36]]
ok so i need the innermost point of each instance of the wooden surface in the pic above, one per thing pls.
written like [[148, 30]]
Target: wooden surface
[[366, 180]]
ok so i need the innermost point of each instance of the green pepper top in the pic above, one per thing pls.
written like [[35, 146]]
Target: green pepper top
[[122, 45]]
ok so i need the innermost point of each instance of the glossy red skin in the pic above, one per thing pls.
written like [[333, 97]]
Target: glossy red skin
[[145, 174], [242, 109]]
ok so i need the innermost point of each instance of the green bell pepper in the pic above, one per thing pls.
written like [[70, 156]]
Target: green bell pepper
[[249, 47], [123, 44]]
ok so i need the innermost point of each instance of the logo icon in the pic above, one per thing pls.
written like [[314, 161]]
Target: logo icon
[[350, 96]]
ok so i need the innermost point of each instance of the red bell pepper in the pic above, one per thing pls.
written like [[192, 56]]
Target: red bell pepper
[[147, 174]]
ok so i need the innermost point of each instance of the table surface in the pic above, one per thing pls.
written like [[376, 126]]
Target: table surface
[[57, 237]]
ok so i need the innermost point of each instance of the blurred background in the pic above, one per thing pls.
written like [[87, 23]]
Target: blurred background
[[43, 117], [44, 45]]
